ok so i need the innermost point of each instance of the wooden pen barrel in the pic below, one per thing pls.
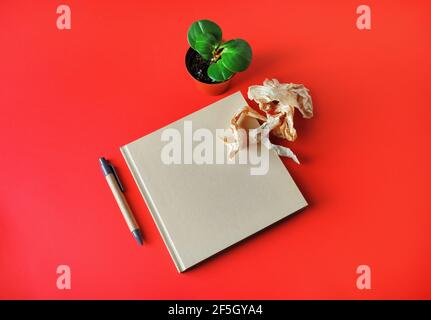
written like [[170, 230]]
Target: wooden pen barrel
[[122, 202]]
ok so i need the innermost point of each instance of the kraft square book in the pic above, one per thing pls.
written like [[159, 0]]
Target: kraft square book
[[202, 209]]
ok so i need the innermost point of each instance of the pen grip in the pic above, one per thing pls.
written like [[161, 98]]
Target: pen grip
[[122, 202]]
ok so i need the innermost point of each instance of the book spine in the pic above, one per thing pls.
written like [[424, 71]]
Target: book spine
[[152, 208]]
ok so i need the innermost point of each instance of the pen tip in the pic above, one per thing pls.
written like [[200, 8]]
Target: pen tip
[[138, 236]]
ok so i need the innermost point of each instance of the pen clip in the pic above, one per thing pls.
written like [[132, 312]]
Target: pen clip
[[117, 178]]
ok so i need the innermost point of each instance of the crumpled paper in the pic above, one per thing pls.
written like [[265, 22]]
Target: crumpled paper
[[278, 101]]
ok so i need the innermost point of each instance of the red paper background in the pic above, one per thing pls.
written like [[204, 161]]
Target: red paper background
[[68, 97]]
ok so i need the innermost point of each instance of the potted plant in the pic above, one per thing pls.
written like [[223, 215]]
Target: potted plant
[[211, 61]]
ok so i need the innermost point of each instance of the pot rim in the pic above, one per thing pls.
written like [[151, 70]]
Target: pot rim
[[190, 49]]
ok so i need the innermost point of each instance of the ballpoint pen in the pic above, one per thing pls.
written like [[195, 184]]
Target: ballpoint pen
[[118, 190]]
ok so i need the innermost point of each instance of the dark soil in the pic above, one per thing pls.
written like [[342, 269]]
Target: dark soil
[[197, 66]]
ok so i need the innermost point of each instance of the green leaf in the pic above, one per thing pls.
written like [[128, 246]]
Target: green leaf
[[200, 27], [236, 55], [205, 44], [218, 72]]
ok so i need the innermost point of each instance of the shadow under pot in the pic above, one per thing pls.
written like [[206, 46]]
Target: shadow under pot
[[197, 68]]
